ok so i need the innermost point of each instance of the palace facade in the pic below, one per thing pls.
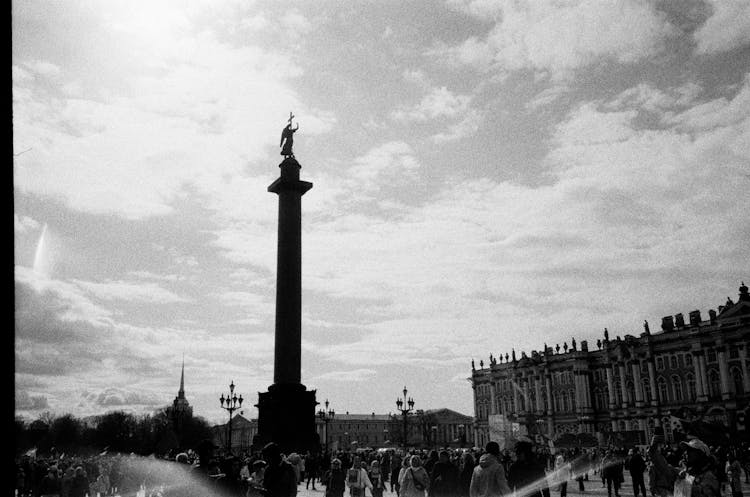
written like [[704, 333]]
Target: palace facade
[[626, 387]]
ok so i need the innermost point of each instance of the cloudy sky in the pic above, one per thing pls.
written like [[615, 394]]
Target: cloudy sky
[[488, 175]]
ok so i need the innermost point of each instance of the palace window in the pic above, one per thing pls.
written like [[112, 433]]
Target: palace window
[[739, 387], [673, 362], [690, 384], [646, 390], [734, 352], [711, 355], [663, 389], [659, 363], [572, 400], [714, 383], [677, 388], [688, 359]]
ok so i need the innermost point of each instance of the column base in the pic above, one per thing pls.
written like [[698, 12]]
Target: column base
[[286, 416]]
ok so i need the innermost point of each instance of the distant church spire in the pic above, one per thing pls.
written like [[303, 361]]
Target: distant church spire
[[181, 393]]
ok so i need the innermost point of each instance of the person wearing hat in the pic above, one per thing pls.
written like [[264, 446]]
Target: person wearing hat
[[488, 478], [697, 478], [526, 475], [279, 478]]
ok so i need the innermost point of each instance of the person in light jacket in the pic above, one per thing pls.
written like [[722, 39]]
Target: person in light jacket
[[414, 480], [488, 479], [357, 479]]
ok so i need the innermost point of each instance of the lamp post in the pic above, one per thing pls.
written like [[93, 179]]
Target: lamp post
[[231, 403], [326, 415], [401, 406], [434, 436], [461, 436]]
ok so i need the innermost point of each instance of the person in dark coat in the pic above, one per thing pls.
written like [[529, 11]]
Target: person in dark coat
[[526, 475], [636, 465], [335, 480], [444, 478], [612, 472], [80, 485], [464, 477], [50, 485], [279, 479]]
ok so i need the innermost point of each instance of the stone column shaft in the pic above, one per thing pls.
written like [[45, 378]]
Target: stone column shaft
[[704, 376], [550, 403], [538, 394], [623, 386], [724, 374], [611, 387], [637, 386], [652, 382], [743, 366], [700, 389]]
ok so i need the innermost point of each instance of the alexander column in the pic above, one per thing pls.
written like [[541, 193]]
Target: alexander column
[[286, 413]]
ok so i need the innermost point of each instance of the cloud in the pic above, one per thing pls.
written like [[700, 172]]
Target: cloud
[[147, 137], [130, 291], [21, 224], [727, 28], [546, 97], [440, 102], [559, 37], [118, 397], [353, 376], [466, 127], [26, 402]]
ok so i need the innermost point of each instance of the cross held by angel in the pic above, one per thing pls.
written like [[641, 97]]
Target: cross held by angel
[[287, 138]]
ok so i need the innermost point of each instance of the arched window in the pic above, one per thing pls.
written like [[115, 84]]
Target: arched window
[[646, 390], [564, 401], [714, 383], [690, 389], [556, 401], [572, 395], [631, 390], [666, 423], [739, 387], [661, 384], [677, 388], [622, 425], [618, 392]]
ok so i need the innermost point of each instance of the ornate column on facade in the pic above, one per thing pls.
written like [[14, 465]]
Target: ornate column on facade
[[493, 404], [743, 365], [550, 404], [637, 385], [704, 376], [652, 381], [516, 404], [587, 390], [538, 394], [611, 387], [724, 372], [527, 407], [623, 386], [700, 389]]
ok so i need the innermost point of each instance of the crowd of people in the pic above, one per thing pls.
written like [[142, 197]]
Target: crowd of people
[[689, 469]]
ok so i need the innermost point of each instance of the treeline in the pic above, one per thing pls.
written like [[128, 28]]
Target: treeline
[[116, 431]]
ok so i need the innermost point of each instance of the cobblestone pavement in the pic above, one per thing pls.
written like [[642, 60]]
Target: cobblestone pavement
[[592, 488]]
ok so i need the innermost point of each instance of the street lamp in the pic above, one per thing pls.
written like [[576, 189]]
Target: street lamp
[[434, 436], [326, 415], [231, 403], [401, 406]]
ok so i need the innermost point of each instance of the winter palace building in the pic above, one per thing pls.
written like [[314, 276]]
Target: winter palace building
[[623, 389]]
